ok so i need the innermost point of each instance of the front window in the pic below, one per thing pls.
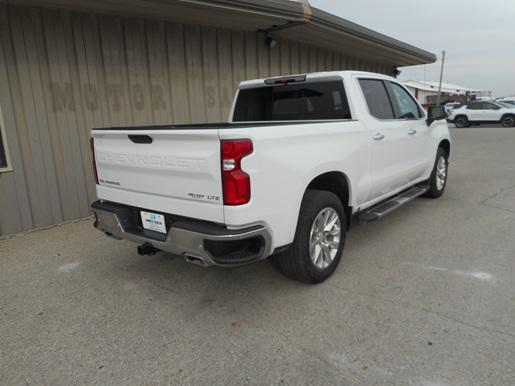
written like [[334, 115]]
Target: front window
[[324, 100], [491, 106], [408, 108]]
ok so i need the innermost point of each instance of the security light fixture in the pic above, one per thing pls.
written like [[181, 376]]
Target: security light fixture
[[270, 42]]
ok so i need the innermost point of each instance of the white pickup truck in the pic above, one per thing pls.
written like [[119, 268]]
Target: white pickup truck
[[301, 159]]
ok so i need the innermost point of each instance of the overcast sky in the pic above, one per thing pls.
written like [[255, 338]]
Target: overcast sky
[[478, 35]]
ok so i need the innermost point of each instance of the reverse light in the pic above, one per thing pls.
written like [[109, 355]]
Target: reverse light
[[235, 182], [95, 173]]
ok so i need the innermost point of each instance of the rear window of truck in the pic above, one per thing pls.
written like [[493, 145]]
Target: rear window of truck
[[293, 102]]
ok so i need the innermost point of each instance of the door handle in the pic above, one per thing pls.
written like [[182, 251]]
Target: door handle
[[378, 137], [412, 132], [141, 139]]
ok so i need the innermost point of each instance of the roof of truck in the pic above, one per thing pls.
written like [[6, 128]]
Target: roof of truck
[[311, 76]]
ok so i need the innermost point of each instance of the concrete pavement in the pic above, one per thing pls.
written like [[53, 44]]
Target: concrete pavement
[[424, 297]]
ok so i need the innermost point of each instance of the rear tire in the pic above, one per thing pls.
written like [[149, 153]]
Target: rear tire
[[508, 121], [438, 179], [461, 121], [319, 239]]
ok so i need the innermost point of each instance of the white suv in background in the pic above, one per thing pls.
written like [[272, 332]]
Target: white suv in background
[[451, 106], [480, 112]]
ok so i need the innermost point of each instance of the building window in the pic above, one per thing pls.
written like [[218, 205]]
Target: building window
[[5, 161]]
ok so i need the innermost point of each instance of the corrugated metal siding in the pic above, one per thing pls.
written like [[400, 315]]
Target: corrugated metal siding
[[62, 73]]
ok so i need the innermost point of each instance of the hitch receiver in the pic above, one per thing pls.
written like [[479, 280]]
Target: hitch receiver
[[147, 249]]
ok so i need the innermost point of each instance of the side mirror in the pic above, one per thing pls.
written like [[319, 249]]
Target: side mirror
[[436, 113]]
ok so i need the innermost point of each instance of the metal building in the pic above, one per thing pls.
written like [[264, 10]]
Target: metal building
[[69, 65], [426, 92]]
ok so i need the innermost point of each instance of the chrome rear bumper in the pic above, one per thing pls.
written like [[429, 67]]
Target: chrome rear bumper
[[200, 243]]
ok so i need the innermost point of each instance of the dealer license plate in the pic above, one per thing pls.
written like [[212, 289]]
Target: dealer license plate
[[153, 222]]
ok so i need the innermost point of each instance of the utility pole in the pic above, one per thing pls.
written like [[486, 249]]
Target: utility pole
[[441, 78]]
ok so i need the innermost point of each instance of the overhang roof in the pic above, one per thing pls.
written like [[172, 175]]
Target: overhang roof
[[447, 88], [289, 19]]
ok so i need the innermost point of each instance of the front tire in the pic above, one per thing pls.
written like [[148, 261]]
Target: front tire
[[438, 179], [319, 239]]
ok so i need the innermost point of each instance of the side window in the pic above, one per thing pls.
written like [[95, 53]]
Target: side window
[[377, 98], [408, 108], [489, 106], [475, 106], [4, 153]]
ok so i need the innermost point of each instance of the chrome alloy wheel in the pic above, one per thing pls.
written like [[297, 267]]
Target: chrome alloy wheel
[[441, 172], [325, 237]]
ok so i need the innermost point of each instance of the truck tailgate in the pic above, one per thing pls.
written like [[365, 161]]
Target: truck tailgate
[[169, 171]]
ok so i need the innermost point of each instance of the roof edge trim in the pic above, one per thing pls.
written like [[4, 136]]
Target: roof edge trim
[[303, 11]]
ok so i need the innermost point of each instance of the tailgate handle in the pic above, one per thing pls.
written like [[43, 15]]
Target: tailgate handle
[[141, 139]]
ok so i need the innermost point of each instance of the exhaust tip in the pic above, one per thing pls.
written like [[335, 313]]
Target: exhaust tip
[[195, 260]]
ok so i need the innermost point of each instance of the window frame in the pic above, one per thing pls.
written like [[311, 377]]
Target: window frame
[[3, 137]]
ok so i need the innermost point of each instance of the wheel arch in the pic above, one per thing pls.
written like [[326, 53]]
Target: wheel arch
[[446, 145], [461, 115], [505, 115], [335, 182]]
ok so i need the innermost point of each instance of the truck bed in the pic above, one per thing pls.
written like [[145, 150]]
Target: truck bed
[[167, 169]]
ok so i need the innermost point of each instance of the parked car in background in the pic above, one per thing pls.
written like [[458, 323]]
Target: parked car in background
[[301, 159], [510, 101], [506, 104], [483, 112], [451, 106]]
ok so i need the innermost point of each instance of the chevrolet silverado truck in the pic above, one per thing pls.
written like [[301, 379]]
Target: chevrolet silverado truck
[[301, 159]]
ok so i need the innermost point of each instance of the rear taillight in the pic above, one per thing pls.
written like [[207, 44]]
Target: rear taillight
[[235, 182], [92, 143]]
